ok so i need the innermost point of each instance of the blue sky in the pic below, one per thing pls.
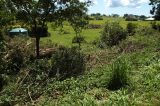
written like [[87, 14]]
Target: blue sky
[[121, 7]]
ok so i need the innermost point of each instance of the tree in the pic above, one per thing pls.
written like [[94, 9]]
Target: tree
[[115, 15], [38, 12], [125, 15], [5, 13], [155, 8], [98, 14], [142, 17]]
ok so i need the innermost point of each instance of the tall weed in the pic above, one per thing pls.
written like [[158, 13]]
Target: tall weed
[[119, 76]]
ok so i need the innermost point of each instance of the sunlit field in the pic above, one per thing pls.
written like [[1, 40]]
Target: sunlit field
[[113, 61], [58, 36]]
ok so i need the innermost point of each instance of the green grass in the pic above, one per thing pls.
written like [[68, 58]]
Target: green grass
[[144, 66], [66, 39], [89, 34], [90, 89]]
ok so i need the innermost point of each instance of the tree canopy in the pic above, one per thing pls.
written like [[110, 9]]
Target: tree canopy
[[155, 8], [38, 12], [5, 12]]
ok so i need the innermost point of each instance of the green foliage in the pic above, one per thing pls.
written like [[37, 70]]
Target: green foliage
[[38, 13], [2, 82], [131, 19], [34, 85], [18, 52], [151, 76], [15, 62], [155, 8], [119, 77], [2, 42], [2, 63], [122, 98], [131, 28], [155, 25], [28, 85], [78, 39], [38, 70], [39, 31], [99, 18], [67, 62], [112, 34], [94, 26], [5, 17]]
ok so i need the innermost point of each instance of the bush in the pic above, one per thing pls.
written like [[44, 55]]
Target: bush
[[131, 19], [33, 78], [67, 62], [119, 76], [1, 51], [19, 51], [38, 70], [78, 39], [15, 61], [99, 18], [155, 26], [90, 18], [94, 26], [131, 28], [2, 82], [112, 34]]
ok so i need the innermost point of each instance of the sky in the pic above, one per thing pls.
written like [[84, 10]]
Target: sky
[[121, 7]]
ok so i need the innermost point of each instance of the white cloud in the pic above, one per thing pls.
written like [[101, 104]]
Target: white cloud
[[125, 3]]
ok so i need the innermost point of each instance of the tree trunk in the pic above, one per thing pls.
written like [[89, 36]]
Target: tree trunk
[[37, 46]]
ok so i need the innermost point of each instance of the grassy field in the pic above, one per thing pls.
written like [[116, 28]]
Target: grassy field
[[89, 34], [139, 50]]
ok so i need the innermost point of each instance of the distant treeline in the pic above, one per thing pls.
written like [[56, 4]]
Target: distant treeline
[[127, 17]]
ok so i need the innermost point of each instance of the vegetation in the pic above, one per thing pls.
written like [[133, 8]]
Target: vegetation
[[131, 17], [119, 77], [38, 13], [124, 72], [71, 59], [155, 9], [112, 34], [131, 28]]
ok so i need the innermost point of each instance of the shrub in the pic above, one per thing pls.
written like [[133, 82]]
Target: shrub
[[155, 26], [131, 28], [15, 61], [99, 18], [67, 62], [112, 34], [33, 78], [119, 76], [38, 70], [2, 82], [1, 51], [78, 39], [131, 19], [94, 26], [19, 51], [90, 18]]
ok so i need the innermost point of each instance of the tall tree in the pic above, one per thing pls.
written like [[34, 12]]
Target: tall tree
[[155, 8], [38, 12]]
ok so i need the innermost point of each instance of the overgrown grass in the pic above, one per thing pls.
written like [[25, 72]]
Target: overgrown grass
[[89, 89]]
